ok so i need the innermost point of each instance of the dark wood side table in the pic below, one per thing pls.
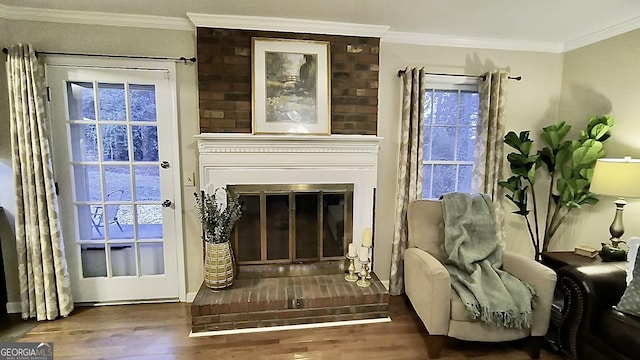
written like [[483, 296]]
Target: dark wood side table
[[556, 260]]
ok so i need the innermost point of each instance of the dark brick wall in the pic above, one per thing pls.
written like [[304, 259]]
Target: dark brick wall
[[224, 80]]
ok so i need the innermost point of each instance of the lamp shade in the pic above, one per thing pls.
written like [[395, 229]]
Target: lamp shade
[[616, 177]]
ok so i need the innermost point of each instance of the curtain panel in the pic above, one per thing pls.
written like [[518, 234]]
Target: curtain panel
[[489, 149], [45, 290], [410, 169]]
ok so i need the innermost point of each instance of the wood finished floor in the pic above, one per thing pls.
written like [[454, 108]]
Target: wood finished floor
[[160, 332]]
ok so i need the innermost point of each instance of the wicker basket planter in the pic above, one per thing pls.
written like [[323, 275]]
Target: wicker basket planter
[[218, 214], [218, 265]]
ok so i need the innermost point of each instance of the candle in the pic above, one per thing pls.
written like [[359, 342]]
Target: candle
[[366, 237], [352, 250], [221, 198], [363, 254]]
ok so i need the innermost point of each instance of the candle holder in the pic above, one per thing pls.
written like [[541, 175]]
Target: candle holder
[[351, 276], [370, 256], [364, 272]]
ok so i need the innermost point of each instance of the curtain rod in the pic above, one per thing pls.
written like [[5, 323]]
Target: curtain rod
[[182, 58], [516, 78]]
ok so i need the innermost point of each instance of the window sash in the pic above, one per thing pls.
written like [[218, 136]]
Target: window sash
[[430, 164]]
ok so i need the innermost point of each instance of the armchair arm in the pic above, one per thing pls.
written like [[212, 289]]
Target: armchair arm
[[543, 280], [588, 291], [428, 286]]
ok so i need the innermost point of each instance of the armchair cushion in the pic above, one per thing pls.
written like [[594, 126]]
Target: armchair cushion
[[619, 330]]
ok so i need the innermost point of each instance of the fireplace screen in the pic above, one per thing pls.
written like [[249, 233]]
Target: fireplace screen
[[289, 224]]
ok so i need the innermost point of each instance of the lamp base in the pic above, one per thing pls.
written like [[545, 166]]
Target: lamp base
[[615, 242], [616, 229], [613, 253]]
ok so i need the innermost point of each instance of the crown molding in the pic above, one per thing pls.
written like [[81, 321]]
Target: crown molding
[[469, 42], [94, 18], [305, 26], [286, 25], [611, 31]]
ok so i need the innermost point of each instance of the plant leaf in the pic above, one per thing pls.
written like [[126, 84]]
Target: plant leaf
[[588, 153], [547, 158], [512, 140]]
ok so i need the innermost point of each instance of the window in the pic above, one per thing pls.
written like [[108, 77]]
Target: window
[[450, 122]]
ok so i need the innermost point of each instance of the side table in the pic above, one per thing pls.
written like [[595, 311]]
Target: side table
[[556, 260]]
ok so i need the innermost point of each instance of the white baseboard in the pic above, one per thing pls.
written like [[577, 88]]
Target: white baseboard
[[290, 327], [385, 283], [191, 296], [14, 307]]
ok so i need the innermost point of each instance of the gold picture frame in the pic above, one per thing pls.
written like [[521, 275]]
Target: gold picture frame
[[291, 87]]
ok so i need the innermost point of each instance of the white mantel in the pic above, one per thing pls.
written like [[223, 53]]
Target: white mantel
[[238, 159]]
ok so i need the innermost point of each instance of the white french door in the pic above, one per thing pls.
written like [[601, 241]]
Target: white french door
[[113, 149]]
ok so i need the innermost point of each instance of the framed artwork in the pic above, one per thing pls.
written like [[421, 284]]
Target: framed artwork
[[291, 91]]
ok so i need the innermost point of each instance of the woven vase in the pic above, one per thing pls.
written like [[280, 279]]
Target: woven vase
[[218, 265]]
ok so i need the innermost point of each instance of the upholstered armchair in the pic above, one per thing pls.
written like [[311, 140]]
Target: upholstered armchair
[[428, 287]]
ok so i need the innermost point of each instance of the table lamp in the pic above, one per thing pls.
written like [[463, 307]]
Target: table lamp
[[617, 177]]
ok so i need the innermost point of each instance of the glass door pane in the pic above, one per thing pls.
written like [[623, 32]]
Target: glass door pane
[[306, 217], [117, 193]]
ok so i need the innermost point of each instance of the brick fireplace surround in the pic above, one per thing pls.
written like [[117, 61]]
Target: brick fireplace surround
[[224, 79]]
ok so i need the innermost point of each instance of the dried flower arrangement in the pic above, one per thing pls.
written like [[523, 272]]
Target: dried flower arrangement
[[217, 218]]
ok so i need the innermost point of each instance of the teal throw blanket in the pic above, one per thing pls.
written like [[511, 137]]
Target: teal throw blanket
[[474, 262]]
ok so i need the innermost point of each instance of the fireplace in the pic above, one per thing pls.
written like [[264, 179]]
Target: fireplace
[[293, 228], [304, 197]]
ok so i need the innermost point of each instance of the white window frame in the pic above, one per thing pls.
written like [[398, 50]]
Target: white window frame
[[454, 83]]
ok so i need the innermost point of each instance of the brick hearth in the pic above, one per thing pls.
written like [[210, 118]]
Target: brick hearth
[[277, 301]]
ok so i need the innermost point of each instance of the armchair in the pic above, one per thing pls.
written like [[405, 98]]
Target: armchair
[[428, 287], [592, 328]]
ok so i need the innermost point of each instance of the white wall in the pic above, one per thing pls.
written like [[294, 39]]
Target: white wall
[[603, 78], [531, 104]]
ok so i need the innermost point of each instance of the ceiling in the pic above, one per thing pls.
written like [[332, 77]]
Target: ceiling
[[547, 21]]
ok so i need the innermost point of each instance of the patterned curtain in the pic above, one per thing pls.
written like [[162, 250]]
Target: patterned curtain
[[410, 169], [45, 289], [489, 151]]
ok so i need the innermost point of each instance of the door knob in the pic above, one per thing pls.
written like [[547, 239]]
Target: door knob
[[164, 164], [166, 203]]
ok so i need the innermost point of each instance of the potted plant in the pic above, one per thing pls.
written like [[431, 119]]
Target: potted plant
[[218, 214], [570, 168]]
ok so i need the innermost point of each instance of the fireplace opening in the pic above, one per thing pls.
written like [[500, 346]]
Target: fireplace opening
[[293, 229]]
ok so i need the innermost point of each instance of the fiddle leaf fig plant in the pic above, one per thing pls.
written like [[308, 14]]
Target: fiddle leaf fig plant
[[569, 164]]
